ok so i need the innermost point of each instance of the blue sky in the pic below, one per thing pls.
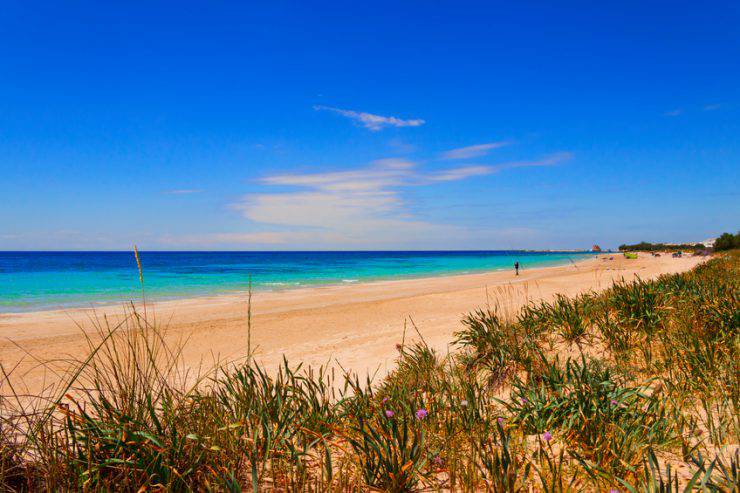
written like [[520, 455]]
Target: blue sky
[[373, 125]]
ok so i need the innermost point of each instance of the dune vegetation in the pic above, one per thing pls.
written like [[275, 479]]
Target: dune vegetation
[[635, 388], [645, 246]]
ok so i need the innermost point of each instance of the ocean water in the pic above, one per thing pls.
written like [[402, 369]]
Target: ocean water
[[47, 280]]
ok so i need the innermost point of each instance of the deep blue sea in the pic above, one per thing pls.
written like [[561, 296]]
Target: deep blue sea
[[44, 280]]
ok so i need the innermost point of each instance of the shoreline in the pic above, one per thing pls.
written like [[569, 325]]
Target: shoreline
[[354, 326], [276, 287], [232, 295]]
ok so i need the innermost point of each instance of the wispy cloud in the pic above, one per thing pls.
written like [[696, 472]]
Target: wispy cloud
[[351, 205], [676, 112], [360, 207], [461, 173], [364, 206], [258, 237], [370, 121], [712, 107], [401, 147], [473, 151], [183, 191], [468, 171], [551, 160], [381, 173]]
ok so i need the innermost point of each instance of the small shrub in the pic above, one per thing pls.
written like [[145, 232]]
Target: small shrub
[[390, 446], [502, 467], [589, 407]]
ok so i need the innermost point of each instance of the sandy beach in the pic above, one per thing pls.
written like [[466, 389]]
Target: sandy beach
[[356, 326]]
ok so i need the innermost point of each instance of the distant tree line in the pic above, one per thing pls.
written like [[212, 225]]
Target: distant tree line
[[727, 241], [644, 246]]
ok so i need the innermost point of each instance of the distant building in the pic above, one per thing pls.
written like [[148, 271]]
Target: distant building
[[596, 248]]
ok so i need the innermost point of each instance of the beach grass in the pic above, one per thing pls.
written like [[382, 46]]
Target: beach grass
[[635, 388]]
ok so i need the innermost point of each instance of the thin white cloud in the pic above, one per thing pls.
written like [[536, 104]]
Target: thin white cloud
[[468, 171], [676, 112], [364, 207], [712, 107], [259, 238], [401, 147], [473, 151], [454, 174], [550, 160], [183, 191], [351, 204], [370, 121], [382, 173]]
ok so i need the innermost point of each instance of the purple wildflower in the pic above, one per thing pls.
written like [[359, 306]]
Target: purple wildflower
[[501, 421], [524, 400], [389, 413], [421, 413], [438, 461], [385, 399], [547, 436], [613, 490], [614, 403]]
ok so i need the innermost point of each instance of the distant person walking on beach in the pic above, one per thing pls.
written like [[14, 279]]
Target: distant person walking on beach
[[516, 268]]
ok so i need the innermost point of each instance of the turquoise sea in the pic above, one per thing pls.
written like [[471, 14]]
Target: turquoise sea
[[46, 280]]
